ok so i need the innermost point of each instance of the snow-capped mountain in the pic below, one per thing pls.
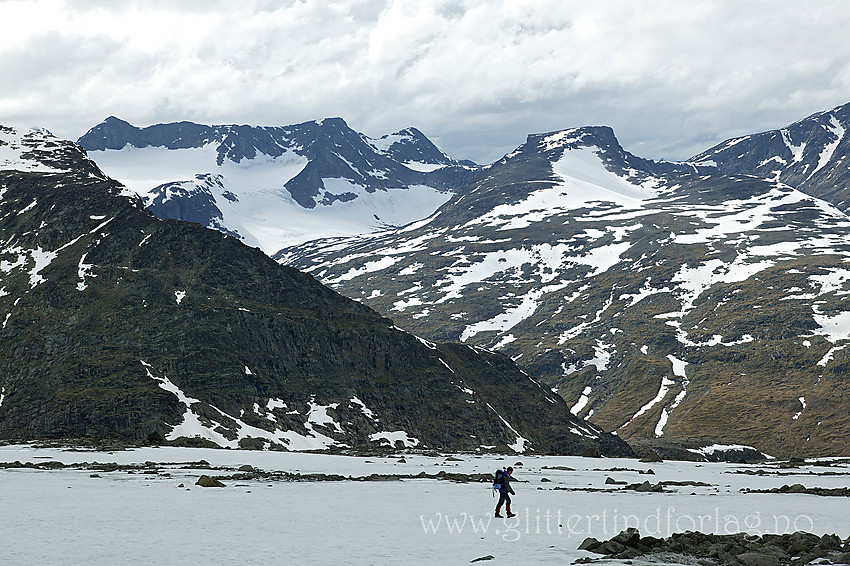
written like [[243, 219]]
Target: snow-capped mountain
[[810, 155], [659, 299], [117, 325], [278, 186]]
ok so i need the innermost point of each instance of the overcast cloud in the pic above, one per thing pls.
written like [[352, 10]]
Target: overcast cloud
[[672, 77]]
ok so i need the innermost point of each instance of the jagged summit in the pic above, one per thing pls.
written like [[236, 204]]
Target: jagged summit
[[278, 185]]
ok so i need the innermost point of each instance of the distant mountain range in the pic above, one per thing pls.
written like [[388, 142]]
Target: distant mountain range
[[695, 299], [117, 325], [278, 186], [705, 298]]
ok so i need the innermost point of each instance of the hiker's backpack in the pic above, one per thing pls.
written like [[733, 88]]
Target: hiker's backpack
[[498, 480]]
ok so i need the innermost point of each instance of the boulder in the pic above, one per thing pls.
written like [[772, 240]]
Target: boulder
[[830, 542], [206, 481], [590, 544], [629, 537], [247, 468], [645, 487], [610, 547]]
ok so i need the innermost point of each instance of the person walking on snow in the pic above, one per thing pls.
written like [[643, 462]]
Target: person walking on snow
[[504, 491]]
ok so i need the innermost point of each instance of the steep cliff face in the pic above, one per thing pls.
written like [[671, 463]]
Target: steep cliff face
[[117, 325]]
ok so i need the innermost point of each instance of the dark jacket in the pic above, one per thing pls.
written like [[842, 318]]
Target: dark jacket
[[506, 484]]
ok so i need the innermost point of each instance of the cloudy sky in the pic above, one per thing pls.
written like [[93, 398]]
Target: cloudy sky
[[672, 77]]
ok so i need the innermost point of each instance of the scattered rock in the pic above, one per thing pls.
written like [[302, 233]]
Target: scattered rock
[[206, 481], [800, 488], [518, 465], [612, 481], [483, 558], [545, 480], [645, 487], [686, 482]]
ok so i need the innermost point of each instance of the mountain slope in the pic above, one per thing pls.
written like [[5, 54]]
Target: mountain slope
[[275, 186], [660, 299], [810, 155], [119, 325]]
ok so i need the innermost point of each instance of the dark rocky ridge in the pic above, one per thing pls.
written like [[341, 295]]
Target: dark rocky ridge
[[810, 155], [124, 301]]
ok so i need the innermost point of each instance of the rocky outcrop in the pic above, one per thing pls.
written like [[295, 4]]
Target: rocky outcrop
[[800, 488], [725, 550]]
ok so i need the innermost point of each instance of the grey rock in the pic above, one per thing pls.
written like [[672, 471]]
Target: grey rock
[[629, 537], [590, 544], [757, 559], [206, 481], [610, 547]]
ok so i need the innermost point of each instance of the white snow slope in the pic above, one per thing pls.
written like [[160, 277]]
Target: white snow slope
[[263, 212]]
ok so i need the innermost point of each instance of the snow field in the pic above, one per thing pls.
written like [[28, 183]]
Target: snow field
[[68, 517]]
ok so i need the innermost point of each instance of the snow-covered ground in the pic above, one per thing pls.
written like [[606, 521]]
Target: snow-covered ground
[[69, 517]]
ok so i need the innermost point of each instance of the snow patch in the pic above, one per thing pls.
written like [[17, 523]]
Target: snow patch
[[663, 389], [392, 438], [364, 409], [582, 401]]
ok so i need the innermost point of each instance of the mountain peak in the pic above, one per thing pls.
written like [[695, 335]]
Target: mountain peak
[[333, 122], [36, 150], [572, 138]]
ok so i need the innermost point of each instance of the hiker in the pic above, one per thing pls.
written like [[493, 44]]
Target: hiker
[[504, 490]]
